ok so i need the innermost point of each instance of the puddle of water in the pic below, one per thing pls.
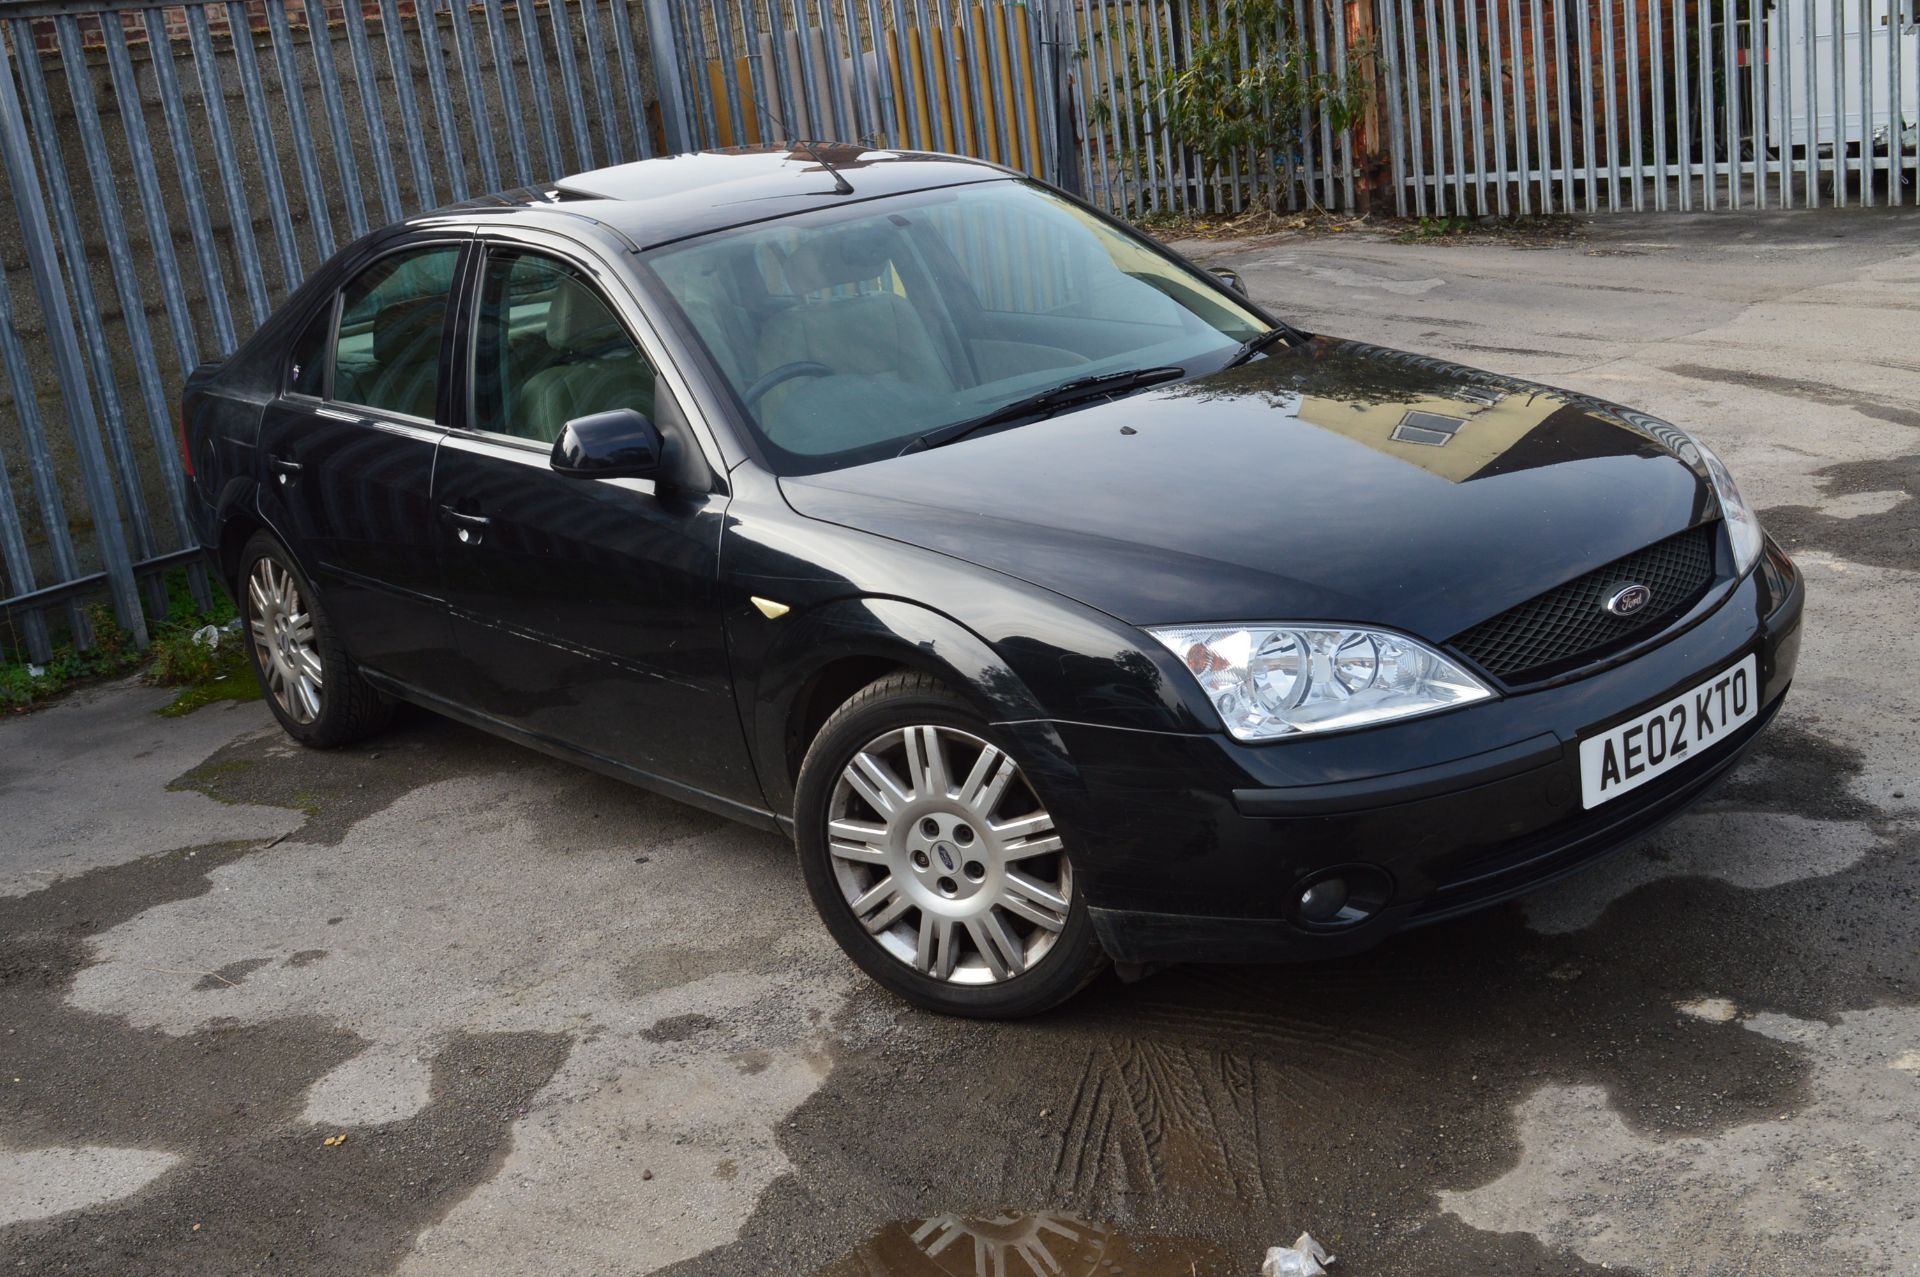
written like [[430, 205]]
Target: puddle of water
[[1035, 1244]]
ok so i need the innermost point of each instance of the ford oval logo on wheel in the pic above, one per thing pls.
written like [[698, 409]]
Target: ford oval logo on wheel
[[1628, 599]]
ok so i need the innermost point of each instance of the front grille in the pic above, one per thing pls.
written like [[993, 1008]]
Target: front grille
[[1568, 622]]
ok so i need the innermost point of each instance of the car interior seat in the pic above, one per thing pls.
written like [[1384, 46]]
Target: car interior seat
[[404, 374], [875, 334], [593, 366]]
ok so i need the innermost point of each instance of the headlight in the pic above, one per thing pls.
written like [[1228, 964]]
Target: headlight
[[1743, 525], [1276, 680]]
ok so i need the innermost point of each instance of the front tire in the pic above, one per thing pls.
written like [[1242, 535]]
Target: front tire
[[933, 861], [310, 685]]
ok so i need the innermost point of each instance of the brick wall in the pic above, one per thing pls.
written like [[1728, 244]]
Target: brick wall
[[300, 13], [1538, 81]]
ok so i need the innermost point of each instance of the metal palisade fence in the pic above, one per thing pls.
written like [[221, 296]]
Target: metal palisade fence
[[1266, 74], [1477, 107], [1518, 106], [974, 77], [176, 169]]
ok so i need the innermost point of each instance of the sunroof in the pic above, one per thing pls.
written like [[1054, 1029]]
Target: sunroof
[[708, 172]]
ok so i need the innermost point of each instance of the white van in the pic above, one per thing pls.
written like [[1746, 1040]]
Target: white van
[[1889, 63]]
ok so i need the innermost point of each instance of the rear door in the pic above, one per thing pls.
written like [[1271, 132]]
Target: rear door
[[588, 610], [348, 452]]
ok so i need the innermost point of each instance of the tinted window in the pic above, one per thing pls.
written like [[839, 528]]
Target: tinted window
[[550, 349], [847, 332], [387, 354], [307, 371]]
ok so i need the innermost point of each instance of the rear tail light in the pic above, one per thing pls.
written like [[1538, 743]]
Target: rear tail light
[[180, 429]]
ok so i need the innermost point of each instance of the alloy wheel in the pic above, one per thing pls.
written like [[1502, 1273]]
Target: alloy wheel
[[946, 857], [283, 638]]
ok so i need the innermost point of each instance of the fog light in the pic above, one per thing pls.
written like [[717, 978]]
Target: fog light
[[1345, 897], [1324, 900]]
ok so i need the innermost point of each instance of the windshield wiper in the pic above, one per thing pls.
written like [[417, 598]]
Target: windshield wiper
[[1046, 402], [1260, 341]]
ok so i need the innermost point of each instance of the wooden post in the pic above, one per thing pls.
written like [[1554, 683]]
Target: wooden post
[[1369, 156]]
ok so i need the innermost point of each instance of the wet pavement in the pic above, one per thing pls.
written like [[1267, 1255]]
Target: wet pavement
[[1038, 1242], [568, 1027]]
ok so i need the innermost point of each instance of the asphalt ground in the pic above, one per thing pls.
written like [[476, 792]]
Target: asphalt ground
[[566, 1027]]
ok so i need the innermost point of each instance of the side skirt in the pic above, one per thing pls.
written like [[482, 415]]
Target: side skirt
[[742, 812]]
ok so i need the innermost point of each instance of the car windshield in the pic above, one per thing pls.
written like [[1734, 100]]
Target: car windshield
[[847, 333]]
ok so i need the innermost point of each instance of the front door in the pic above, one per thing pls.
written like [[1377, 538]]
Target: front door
[[347, 454], [586, 609]]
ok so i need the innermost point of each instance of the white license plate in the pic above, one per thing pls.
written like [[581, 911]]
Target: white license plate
[[1628, 755]]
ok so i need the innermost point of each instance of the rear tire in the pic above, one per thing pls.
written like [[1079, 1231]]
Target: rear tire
[[933, 861], [312, 688]]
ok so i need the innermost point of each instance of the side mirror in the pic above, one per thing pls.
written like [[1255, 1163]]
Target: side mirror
[[621, 444], [1231, 278]]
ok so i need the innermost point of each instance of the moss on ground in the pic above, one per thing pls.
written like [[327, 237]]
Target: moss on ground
[[204, 674], [242, 686]]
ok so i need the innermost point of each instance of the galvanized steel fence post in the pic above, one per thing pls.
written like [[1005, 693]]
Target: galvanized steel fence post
[[50, 288]]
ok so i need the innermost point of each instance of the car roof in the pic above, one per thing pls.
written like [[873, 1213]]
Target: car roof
[[653, 202]]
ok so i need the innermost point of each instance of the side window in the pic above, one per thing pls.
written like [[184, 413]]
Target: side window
[[307, 371], [392, 315], [550, 349]]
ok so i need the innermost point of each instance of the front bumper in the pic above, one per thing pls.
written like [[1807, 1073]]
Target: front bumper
[[1197, 847]]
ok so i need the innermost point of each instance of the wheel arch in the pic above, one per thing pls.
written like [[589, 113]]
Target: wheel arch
[[841, 647], [825, 690]]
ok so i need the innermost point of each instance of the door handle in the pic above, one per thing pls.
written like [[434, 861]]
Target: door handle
[[467, 527], [288, 470]]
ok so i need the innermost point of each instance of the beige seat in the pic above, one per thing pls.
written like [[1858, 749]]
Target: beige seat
[[404, 374], [594, 366], [870, 335], [877, 335]]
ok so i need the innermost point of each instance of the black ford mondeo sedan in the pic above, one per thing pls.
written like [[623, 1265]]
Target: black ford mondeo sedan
[[1062, 604]]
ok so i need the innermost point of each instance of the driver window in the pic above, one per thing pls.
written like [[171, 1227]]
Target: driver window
[[549, 349]]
